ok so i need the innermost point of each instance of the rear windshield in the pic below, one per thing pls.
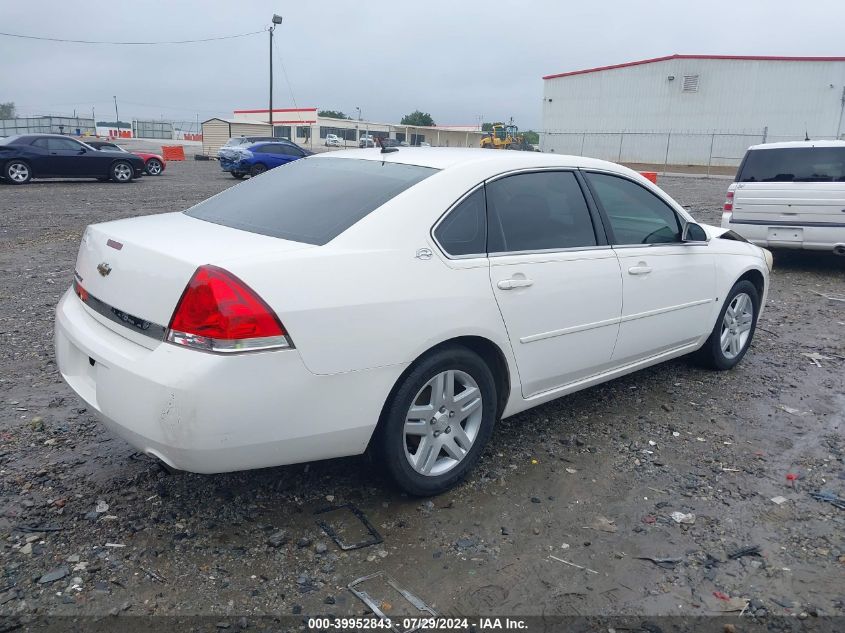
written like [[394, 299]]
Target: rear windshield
[[794, 164], [310, 200]]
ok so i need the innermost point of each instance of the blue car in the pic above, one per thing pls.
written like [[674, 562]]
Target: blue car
[[259, 157]]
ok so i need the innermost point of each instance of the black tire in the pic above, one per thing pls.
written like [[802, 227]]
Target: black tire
[[121, 172], [17, 172], [391, 440], [153, 167], [258, 169], [237, 175], [712, 354]]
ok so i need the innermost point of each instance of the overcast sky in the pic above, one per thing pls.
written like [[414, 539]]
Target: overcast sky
[[457, 59]]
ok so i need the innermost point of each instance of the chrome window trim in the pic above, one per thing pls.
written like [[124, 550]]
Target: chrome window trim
[[658, 245], [585, 170], [552, 251]]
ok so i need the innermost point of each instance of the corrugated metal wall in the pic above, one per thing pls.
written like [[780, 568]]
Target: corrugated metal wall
[[76, 126], [153, 129], [741, 99]]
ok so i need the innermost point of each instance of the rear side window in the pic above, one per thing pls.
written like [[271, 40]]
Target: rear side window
[[311, 200], [794, 164], [464, 230], [538, 211]]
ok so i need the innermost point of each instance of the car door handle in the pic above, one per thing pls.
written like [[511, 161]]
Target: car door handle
[[640, 269], [510, 284]]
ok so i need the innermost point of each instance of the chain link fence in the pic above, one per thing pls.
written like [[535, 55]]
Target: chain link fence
[[708, 151]]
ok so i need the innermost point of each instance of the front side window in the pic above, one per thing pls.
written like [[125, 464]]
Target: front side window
[[312, 200], [464, 230], [538, 211], [636, 215]]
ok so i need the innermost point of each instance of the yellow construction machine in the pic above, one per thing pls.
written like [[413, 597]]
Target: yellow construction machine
[[505, 137]]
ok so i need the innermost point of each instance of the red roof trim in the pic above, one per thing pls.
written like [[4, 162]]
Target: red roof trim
[[668, 57], [275, 110]]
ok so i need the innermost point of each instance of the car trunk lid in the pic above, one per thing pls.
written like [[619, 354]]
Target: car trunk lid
[[134, 271], [799, 202]]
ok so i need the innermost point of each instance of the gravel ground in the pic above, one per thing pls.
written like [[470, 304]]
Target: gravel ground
[[88, 526]]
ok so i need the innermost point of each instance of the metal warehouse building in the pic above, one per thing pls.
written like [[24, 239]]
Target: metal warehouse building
[[692, 109]]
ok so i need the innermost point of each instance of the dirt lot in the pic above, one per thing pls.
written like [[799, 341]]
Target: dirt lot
[[591, 479]]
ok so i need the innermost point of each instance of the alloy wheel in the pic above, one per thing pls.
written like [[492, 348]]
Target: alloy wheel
[[153, 167], [122, 172], [18, 172], [443, 422], [736, 325]]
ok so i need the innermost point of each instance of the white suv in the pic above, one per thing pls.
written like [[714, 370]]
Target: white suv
[[790, 195], [333, 140]]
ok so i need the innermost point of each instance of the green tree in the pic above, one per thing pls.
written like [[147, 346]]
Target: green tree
[[7, 110], [333, 114], [417, 118], [488, 127]]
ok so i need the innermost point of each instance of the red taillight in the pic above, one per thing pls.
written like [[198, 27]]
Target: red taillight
[[220, 313], [80, 291], [729, 201]]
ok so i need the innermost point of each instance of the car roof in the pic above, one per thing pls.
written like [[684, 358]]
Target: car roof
[[795, 144], [446, 157]]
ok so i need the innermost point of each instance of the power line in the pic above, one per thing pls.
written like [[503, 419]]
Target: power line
[[285, 73], [56, 39]]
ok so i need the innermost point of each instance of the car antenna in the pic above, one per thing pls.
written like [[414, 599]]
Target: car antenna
[[385, 150]]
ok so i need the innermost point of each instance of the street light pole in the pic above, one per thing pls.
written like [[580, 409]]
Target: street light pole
[[277, 19], [116, 115]]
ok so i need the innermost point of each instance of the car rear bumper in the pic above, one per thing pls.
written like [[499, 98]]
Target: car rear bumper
[[235, 167], [819, 237], [209, 413]]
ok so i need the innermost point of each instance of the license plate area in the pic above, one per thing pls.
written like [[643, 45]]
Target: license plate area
[[785, 234]]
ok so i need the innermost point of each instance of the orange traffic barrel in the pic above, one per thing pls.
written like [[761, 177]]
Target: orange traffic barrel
[[173, 152]]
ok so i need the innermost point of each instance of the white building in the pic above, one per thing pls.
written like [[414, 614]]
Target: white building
[[692, 108], [305, 127]]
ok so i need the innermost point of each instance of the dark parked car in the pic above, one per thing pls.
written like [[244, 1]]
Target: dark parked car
[[55, 156]]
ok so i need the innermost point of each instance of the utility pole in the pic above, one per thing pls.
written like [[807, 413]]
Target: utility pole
[[277, 19], [116, 115]]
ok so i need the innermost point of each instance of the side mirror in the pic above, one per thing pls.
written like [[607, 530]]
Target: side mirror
[[82, 150], [694, 233]]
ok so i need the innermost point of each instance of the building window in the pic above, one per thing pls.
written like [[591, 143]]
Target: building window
[[416, 139], [303, 131], [347, 134], [400, 136], [281, 131], [690, 83]]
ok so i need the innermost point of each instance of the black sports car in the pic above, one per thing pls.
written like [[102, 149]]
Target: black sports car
[[55, 156]]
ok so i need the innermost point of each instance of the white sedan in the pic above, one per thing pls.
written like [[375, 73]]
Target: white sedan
[[402, 300]]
